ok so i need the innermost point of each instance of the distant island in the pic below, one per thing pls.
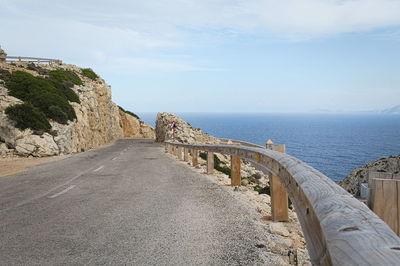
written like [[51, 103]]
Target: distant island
[[395, 110], [392, 111]]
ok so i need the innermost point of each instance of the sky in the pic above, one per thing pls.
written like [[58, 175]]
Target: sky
[[221, 55]]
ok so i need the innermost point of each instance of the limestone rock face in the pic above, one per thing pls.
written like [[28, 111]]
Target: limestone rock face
[[135, 128], [359, 175], [5, 99], [38, 146], [99, 120], [184, 133]]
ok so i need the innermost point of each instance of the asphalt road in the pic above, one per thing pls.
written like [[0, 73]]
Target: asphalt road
[[125, 204]]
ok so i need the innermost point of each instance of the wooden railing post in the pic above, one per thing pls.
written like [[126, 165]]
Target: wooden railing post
[[235, 171], [387, 202], [195, 157], [176, 150], [186, 154], [210, 162], [279, 196], [179, 153]]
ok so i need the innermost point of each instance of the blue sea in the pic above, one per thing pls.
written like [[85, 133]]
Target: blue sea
[[333, 144]]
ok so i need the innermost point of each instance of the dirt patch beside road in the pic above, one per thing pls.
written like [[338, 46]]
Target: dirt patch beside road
[[8, 165]]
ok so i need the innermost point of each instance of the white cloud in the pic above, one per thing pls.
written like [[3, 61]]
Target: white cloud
[[140, 29], [284, 17]]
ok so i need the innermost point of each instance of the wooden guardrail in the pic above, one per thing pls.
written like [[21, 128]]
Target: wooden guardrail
[[29, 59], [338, 228]]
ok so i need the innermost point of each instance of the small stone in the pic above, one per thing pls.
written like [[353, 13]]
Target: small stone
[[244, 182], [278, 228], [279, 249], [287, 242], [260, 244]]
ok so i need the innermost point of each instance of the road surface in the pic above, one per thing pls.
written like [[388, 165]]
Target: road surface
[[125, 204]]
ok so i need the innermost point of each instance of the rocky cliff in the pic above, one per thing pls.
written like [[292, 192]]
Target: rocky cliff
[[135, 128], [98, 120], [359, 175]]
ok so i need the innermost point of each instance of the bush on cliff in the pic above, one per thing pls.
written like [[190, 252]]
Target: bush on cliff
[[57, 114], [5, 75], [67, 77], [87, 72], [64, 80], [27, 116], [49, 96], [43, 101], [23, 85]]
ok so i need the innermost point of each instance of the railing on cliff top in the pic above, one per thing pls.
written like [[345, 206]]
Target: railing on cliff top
[[29, 59], [338, 228]]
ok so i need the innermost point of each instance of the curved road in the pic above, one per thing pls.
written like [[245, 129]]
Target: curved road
[[125, 204]]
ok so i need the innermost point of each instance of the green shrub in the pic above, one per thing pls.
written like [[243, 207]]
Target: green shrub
[[49, 96], [224, 169], [27, 116], [5, 75], [46, 99], [70, 95], [65, 76], [64, 80], [263, 190], [217, 164], [87, 72], [203, 155], [23, 85], [56, 113], [267, 190]]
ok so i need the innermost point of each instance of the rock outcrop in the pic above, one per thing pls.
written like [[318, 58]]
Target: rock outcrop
[[99, 121], [135, 128], [184, 132], [359, 175]]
